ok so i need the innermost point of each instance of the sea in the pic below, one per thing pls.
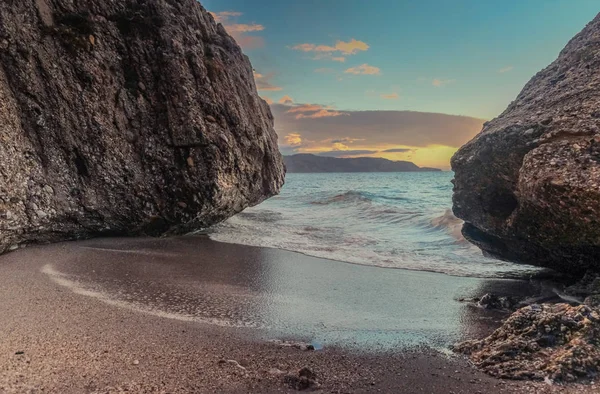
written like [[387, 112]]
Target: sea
[[393, 220]]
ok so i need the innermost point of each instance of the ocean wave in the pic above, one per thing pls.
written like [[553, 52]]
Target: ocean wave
[[451, 224], [392, 223], [349, 196], [353, 196]]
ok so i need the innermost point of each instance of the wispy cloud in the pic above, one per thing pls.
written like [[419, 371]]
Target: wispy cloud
[[263, 82], [438, 83], [391, 96], [224, 16], [385, 129], [239, 31], [347, 153], [307, 111], [244, 28], [286, 100], [337, 52], [397, 150], [506, 69], [293, 139], [364, 69], [351, 47]]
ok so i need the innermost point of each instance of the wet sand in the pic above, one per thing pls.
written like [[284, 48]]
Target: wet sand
[[152, 315]]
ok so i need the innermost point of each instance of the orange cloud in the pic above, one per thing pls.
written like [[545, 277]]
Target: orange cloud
[[293, 139], [244, 28], [427, 139], [268, 100], [286, 100], [221, 17], [239, 30], [324, 113], [351, 47], [391, 96], [327, 52], [263, 82], [308, 111], [305, 108], [364, 69]]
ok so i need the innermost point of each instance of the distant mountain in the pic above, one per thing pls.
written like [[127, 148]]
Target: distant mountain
[[311, 163]]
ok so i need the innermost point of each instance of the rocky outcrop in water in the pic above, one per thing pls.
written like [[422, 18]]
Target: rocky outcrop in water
[[528, 186], [126, 117]]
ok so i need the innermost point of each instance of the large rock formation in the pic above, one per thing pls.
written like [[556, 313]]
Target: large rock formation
[[125, 117], [528, 186]]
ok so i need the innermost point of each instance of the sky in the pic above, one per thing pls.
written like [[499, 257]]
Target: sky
[[400, 79]]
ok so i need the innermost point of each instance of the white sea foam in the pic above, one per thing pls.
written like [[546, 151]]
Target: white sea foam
[[398, 220], [94, 290]]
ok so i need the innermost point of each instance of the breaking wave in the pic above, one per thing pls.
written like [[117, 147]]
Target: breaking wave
[[400, 220]]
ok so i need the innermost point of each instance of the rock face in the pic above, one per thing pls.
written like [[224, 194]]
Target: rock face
[[126, 117], [528, 186]]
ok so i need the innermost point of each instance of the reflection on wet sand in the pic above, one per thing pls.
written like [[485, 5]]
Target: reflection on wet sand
[[283, 294]]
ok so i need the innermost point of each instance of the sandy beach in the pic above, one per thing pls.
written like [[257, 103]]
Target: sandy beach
[[193, 315]]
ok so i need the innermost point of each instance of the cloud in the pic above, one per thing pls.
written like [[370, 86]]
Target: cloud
[[268, 100], [351, 47], [224, 16], [363, 69], [438, 83], [263, 82], [336, 53], [324, 113], [239, 30], [386, 129], [308, 111], [293, 139], [391, 96], [346, 140], [346, 153], [244, 28], [397, 150], [505, 69], [286, 100]]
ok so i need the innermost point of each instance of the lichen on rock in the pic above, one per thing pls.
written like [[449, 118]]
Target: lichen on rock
[[126, 117]]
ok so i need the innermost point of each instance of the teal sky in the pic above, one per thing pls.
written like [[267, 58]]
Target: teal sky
[[413, 43], [460, 57]]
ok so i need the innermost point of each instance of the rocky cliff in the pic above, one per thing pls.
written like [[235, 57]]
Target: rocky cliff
[[528, 186], [125, 117]]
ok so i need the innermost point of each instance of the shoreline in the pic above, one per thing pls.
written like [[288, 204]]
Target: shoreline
[[536, 276], [76, 343]]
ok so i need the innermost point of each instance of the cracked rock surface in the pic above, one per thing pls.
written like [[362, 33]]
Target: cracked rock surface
[[528, 186], [126, 117]]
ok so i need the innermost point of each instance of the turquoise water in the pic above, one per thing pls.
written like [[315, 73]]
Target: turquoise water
[[393, 220]]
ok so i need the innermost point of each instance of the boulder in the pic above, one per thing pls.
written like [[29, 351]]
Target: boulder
[[126, 117], [528, 185]]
